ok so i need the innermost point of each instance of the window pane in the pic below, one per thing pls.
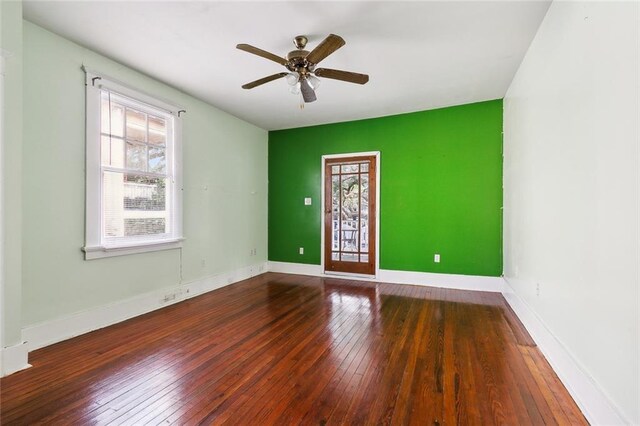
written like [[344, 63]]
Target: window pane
[[335, 213], [112, 119], [335, 170], [349, 257], [117, 152], [144, 193], [113, 204], [105, 151], [117, 120], [349, 236], [364, 258], [157, 160], [350, 168], [112, 152], [364, 218], [104, 114], [134, 205], [136, 156], [364, 167], [157, 130], [136, 125]]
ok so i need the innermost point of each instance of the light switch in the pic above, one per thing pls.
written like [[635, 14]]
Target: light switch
[[307, 201], [436, 258], [301, 250]]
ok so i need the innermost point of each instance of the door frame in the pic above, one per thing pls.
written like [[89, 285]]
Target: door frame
[[375, 154]]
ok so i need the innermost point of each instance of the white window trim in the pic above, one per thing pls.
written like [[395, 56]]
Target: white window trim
[[94, 247]]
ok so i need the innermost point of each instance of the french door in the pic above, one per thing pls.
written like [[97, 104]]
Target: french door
[[350, 215]]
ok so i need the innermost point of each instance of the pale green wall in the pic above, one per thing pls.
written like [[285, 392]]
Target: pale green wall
[[225, 180], [11, 43]]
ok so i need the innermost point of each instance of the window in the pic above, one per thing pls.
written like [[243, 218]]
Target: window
[[133, 163]]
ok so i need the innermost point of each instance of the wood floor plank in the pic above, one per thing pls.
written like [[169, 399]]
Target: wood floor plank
[[280, 380], [271, 412], [288, 349]]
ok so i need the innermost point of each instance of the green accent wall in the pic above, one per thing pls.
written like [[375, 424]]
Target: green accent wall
[[440, 188]]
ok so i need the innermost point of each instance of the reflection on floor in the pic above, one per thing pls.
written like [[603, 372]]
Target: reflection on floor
[[289, 349]]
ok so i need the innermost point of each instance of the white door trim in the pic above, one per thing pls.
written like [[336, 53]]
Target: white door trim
[[322, 242]]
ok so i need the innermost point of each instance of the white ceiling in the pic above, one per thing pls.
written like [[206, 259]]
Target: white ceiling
[[419, 55]]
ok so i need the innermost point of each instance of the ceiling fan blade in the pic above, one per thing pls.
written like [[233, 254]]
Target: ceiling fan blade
[[325, 48], [263, 53], [264, 80], [307, 91], [351, 77]]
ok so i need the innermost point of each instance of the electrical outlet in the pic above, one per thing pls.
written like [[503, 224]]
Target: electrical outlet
[[436, 258], [301, 250], [538, 289], [203, 263], [169, 297], [307, 201]]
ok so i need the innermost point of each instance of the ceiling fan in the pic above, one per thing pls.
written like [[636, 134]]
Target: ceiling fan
[[303, 74]]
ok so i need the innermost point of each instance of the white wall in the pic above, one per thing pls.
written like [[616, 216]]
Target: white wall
[[571, 188], [225, 189]]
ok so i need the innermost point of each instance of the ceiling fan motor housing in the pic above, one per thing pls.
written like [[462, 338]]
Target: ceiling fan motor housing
[[297, 60]]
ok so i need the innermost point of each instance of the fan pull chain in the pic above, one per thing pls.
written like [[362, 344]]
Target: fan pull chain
[[301, 101]]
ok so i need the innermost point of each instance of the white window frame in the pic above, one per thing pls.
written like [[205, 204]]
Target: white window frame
[[95, 246]]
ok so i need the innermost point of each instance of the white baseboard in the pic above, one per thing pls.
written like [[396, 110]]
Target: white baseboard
[[459, 282], [14, 358], [57, 330], [452, 281], [595, 405], [295, 268]]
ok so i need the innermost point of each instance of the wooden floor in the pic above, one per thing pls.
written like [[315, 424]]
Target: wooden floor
[[288, 349]]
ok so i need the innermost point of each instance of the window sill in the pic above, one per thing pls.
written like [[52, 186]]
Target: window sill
[[98, 252]]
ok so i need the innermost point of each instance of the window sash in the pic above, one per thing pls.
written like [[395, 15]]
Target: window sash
[[129, 104], [167, 214], [149, 110]]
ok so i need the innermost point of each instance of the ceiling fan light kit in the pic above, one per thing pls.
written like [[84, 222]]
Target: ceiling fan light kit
[[301, 64], [292, 78]]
